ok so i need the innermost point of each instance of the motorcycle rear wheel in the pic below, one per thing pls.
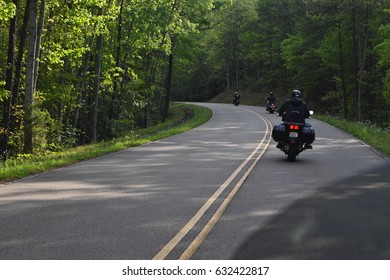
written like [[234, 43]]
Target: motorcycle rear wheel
[[292, 152]]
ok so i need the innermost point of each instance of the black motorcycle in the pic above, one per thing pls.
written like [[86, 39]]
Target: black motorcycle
[[271, 107], [293, 137], [236, 100]]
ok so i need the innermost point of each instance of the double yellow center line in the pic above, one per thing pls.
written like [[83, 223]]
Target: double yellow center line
[[187, 254]]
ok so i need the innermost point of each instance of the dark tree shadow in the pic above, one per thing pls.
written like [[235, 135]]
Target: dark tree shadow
[[349, 219]]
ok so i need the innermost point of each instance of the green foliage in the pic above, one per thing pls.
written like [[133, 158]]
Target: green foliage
[[3, 93], [324, 48], [137, 36], [7, 10], [383, 49], [292, 51]]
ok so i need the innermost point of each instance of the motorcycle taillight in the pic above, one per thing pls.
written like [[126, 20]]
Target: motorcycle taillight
[[294, 127]]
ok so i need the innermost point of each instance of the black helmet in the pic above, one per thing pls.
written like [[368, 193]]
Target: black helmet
[[296, 93], [271, 93]]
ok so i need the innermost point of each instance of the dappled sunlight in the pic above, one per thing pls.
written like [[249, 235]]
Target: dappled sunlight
[[333, 143], [75, 191], [383, 185], [262, 213], [304, 229], [340, 147]]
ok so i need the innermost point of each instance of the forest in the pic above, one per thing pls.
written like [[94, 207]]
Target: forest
[[74, 72]]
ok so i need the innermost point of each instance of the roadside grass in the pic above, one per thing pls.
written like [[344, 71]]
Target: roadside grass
[[183, 117], [371, 134]]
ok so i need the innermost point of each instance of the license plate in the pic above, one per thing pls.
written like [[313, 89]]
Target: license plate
[[293, 134]]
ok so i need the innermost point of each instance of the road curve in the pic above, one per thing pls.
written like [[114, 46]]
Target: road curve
[[128, 205], [132, 204]]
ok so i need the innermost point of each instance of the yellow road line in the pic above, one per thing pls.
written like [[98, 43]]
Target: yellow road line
[[187, 254], [164, 252]]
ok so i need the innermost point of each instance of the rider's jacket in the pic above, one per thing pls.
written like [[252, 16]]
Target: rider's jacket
[[294, 105], [271, 100]]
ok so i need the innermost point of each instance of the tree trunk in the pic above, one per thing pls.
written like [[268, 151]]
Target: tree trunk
[[96, 84], [114, 114], [30, 76], [169, 87], [342, 75], [228, 76], [362, 63], [150, 82], [83, 86], [8, 85], [355, 59], [18, 67], [39, 40]]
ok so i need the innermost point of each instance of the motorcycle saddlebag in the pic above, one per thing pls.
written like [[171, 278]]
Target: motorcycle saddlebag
[[279, 132], [308, 134]]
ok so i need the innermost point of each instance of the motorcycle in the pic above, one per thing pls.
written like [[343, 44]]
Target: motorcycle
[[236, 100], [293, 137], [271, 107]]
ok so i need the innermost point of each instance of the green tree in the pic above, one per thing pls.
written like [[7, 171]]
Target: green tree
[[8, 10], [383, 48]]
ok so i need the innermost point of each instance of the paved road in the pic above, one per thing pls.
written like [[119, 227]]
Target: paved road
[[215, 192]]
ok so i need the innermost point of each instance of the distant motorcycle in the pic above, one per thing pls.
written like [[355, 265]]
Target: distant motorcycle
[[271, 107], [236, 99], [293, 137]]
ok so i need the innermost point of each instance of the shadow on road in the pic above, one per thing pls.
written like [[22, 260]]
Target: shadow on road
[[349, 219]]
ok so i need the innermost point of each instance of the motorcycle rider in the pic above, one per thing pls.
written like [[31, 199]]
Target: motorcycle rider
[[270, 100], [288, 109], [236, 98], [294, 104]]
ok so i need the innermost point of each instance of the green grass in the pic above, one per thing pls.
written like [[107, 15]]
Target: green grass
[[178, 122], [373, 135]]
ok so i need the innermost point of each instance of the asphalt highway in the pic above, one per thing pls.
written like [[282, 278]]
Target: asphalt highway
[[220, 191]]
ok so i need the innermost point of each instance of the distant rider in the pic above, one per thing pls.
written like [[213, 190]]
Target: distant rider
[[271, 99], [236, 98]]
